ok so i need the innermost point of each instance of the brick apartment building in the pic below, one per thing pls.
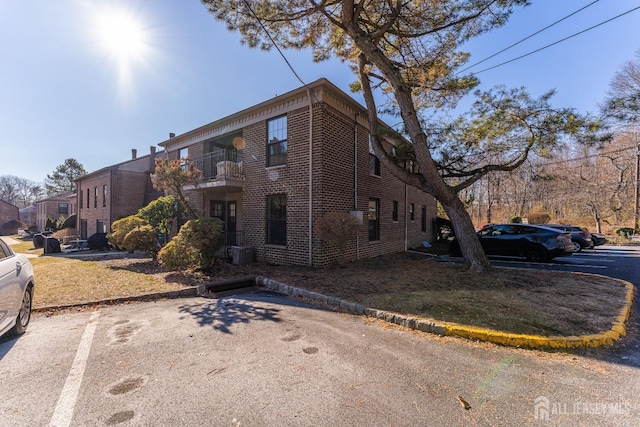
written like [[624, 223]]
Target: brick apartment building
[[60, 205], [272, 170], [114, 192]]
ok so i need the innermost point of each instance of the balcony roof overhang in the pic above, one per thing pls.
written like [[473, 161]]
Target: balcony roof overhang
[[232, 184]]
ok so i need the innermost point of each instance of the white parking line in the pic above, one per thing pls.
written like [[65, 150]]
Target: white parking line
[[69, 396]]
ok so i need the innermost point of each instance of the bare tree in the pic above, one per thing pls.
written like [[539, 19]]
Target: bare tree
[[19, 191]]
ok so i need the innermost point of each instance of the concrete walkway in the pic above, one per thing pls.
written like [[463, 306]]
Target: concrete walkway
[[9, 240]]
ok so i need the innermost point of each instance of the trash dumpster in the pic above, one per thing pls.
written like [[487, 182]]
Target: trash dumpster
[[51, 245], [242, 255]]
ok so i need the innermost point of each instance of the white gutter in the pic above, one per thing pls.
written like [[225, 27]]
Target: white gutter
[[310, 178], [406, 221], [355, 179]]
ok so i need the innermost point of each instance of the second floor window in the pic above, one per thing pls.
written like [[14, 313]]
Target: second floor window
[[277, 141], [87, 198], [423, 219], [394, 213], [412, 212], [95, 197], [374, 162], [183, 155], [104, 196], [63, 209]]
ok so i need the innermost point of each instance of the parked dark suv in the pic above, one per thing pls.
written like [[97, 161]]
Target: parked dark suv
[[580, 237]]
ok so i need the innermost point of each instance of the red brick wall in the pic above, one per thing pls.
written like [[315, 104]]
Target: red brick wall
[[126, 194], [333, 189]]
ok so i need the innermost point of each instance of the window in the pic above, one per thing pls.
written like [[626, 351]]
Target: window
[[104, 196], [80, 193], [95, 197], [87, 198], [394, 213], [277, 141], [101, 227], [277, 219], [183, 155], [423, 219], [412, 212], [374, 216], [374, 162], [63, 209]]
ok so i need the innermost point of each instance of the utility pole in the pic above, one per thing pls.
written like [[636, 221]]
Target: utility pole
[[636, 208]]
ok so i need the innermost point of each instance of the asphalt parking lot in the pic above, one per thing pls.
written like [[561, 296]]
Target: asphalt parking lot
[[262, 359], [621, 262]]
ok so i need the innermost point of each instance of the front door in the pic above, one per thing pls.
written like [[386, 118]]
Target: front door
[[225, 211], [231, 223], [83, 229]]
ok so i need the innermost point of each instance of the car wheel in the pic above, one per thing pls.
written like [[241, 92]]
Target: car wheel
[[535, 253], [576, 247], [24, 316]]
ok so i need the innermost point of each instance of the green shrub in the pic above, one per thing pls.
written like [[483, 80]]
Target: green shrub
[[195, 245], [143, 238], [121, 227], [175, 255], [625, 231], [515, 220], [69, 222]]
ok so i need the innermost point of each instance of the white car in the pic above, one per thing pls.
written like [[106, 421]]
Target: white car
[[16, 291]]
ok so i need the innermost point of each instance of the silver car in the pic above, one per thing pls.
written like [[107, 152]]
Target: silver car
[[16, 291]]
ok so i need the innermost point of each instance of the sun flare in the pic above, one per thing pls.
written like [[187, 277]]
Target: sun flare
[[121, 34]]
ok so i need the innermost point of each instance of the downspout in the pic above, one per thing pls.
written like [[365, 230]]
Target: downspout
[[355, 178], [406, 222], [310, 178]]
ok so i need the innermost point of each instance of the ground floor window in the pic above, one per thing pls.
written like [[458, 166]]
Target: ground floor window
[[277, 219], [374, 219]]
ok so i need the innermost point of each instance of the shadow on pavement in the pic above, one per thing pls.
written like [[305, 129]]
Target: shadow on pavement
[[224, 312]]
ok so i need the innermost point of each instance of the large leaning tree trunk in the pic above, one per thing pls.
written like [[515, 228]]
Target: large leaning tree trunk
[[409, 50]]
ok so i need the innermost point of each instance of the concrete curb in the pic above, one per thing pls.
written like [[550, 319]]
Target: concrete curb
[[618, 327], [182, 293]]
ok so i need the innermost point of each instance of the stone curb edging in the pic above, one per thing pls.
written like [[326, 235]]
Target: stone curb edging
[[618, 327], [182, 293]]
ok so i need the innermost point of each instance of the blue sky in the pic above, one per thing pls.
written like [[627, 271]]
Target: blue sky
[[69, 90]]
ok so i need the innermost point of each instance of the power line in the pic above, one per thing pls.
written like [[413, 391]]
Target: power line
[[246, 3], [559, 41], [589, 156], [526, 38]]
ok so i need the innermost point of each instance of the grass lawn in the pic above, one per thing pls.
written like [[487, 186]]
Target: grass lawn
[[65, 281]]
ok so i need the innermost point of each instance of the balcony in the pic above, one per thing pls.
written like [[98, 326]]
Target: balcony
[[220, 168]]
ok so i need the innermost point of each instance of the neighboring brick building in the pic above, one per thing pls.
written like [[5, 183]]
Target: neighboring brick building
[[269, 185], [114, 192], [61, 205], [8, 212]]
